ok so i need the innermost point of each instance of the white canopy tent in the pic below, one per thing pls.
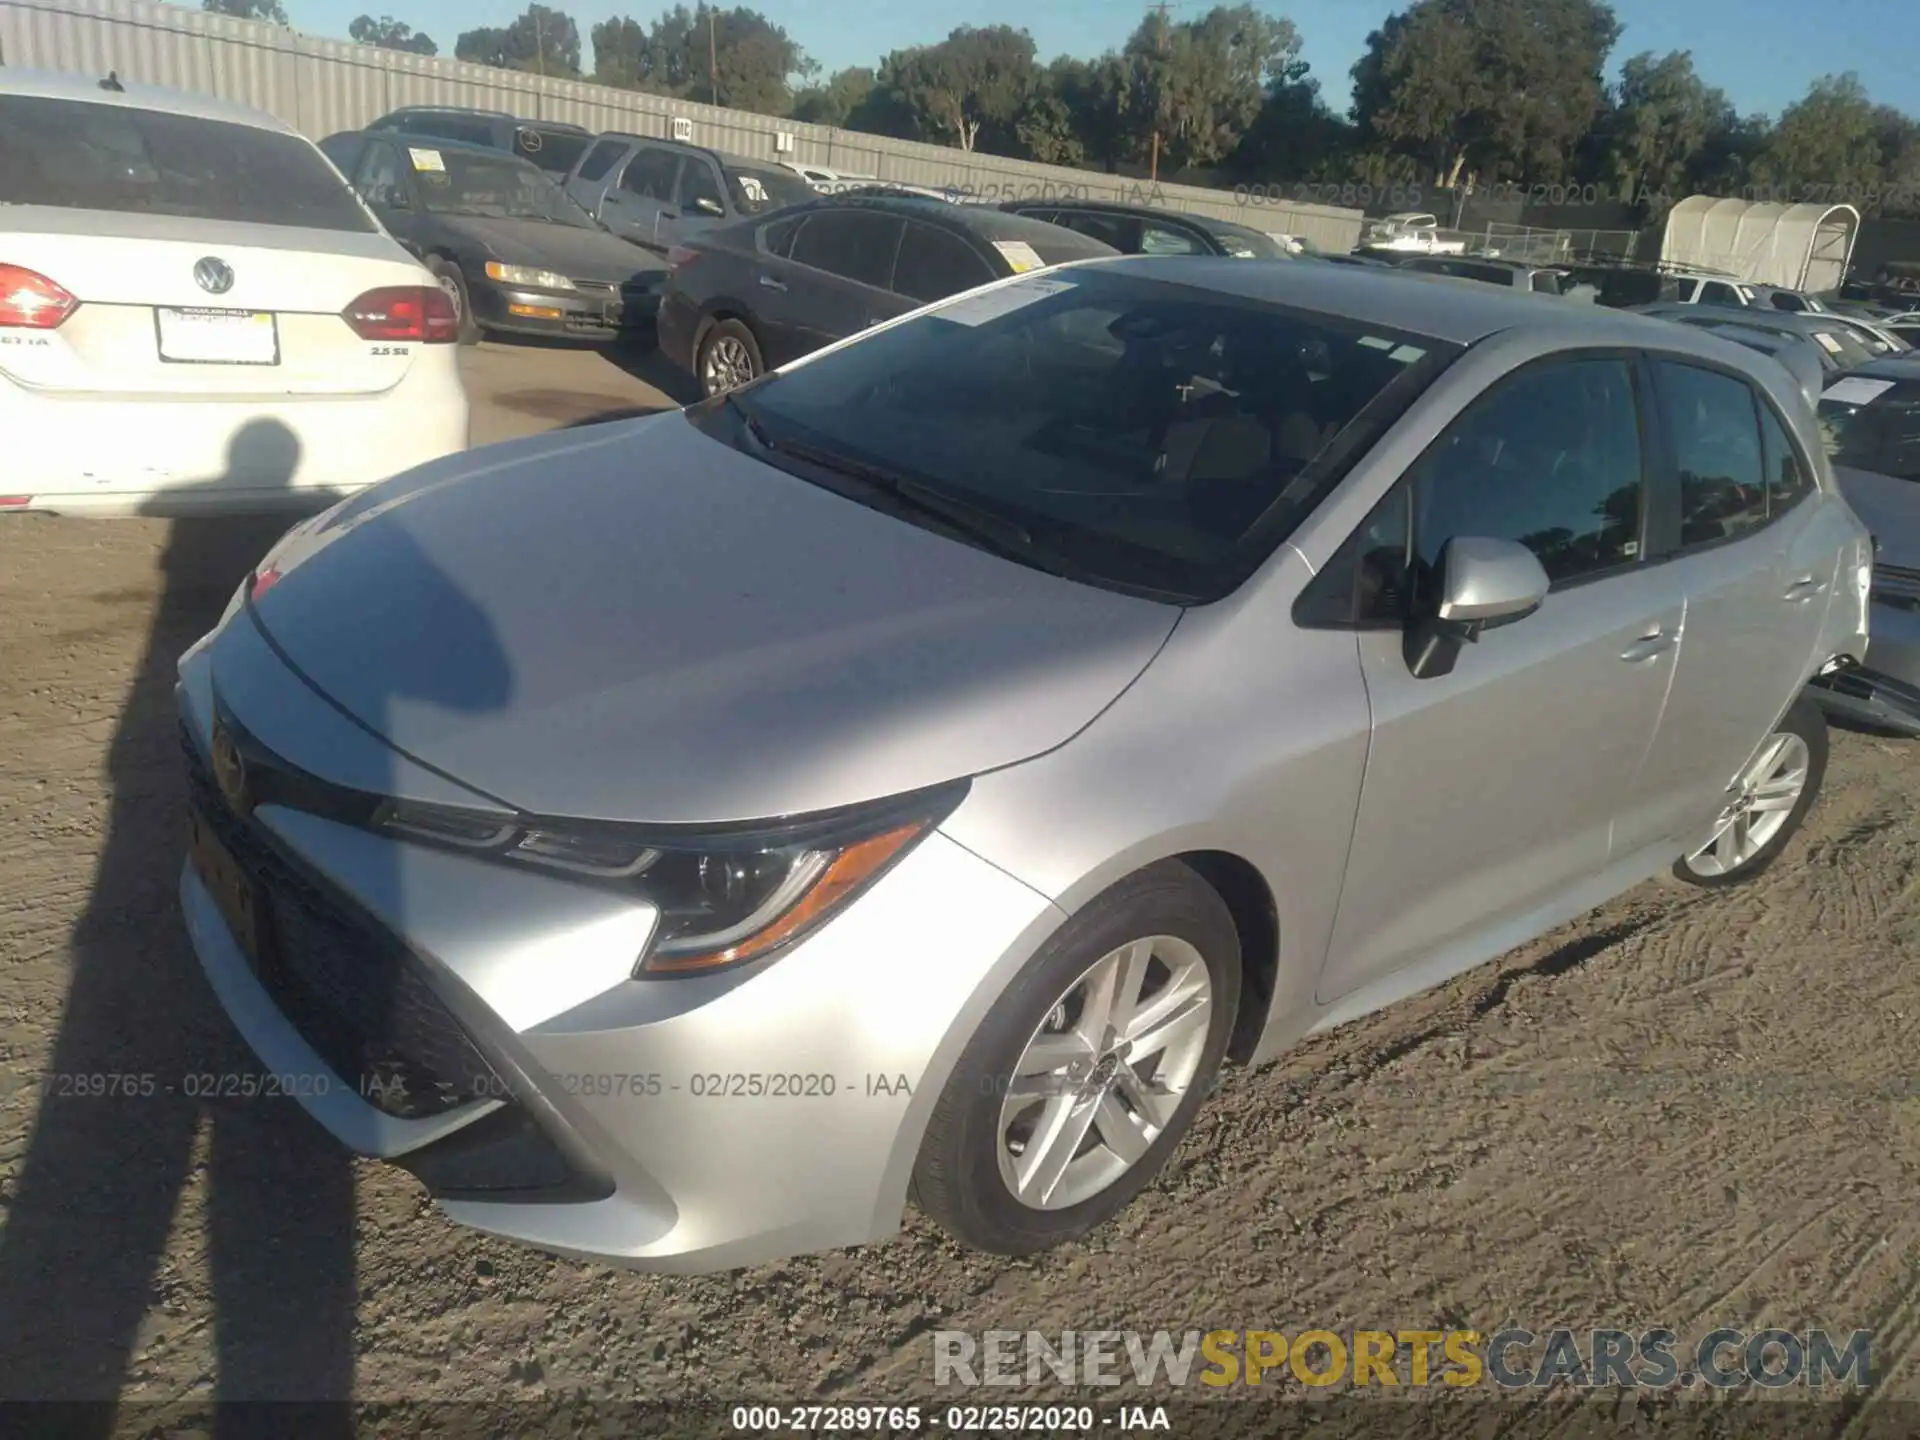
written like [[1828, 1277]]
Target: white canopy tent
[[1800, 247]]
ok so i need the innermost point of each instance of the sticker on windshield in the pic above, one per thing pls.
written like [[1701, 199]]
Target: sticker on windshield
[[426, 159], [992, 304], [1375, 342], [1406, 354], [756, 192], [1856, 390], [1020, 255], [1827, 342]]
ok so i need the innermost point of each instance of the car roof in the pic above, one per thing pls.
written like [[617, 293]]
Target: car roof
[[1890, 367], [1110, 207], [92, 87], [434, 142], [1461, 312], [1503, 261], [1754, 317], [524, 122], [989, 222]]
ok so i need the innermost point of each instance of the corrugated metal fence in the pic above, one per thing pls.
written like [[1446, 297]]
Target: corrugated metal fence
[[321, 86]]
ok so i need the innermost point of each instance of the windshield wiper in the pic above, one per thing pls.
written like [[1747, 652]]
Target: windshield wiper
[[988, 528]]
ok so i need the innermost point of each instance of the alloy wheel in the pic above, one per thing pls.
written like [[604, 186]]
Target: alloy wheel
[[1101, 1078], [727, 366], [451, 287], [1759, 808]]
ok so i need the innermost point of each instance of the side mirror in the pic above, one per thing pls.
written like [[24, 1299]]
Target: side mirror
[[707, 205], [1479, 584]]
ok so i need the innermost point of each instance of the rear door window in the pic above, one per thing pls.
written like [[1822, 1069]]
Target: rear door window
[[1545, 282], [600, 159], [554, 151], [1789, 481], [853, 244], [1122, 233], [651, 173], [1714, 424], [934, 264], [1165, 240], [1713, 292], [380, 179], [73, 154]]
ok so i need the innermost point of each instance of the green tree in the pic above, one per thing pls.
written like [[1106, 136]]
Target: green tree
[[970, 87], [1296, 136], [543, 40], [1826, 147], [387, 33], [1200, 84], [1659, 127], [838, 101], [1495, 89], [271, 10], [737, 58]]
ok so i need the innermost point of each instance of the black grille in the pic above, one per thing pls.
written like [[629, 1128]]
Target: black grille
[[351, 990]]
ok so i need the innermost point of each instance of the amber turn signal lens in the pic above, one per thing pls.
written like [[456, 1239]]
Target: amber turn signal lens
[[849, 870]]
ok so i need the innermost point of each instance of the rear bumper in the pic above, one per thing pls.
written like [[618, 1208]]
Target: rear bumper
[[180, 455]]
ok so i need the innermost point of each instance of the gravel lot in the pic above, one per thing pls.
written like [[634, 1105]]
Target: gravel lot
[[1688, 1109]]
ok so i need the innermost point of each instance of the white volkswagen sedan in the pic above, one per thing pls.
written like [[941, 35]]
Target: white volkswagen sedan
[[197, 314]]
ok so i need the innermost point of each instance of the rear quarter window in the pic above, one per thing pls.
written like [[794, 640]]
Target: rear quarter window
[[74, 154]]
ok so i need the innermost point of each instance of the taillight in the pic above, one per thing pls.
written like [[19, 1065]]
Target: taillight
[[682, 255], [29, 299], [263, 581], [404, 312]]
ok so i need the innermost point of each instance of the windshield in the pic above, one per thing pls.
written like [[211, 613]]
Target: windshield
[[757, 189], [75, 154], [1147, 436], [1844, 346], [1872, 424], [493, 184]]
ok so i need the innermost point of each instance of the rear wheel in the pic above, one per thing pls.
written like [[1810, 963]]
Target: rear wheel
[[1768, 804], [729, 357], [1089, 1069], [455, 285]]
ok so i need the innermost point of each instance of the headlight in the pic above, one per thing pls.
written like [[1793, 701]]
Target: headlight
[[527, 275], [725, 897]]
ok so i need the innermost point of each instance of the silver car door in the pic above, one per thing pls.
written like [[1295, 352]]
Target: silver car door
[[1760, 565], [1490, 791]]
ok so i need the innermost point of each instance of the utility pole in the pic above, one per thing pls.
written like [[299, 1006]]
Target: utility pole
[[1160, 44], [539, 43], [713, 58]]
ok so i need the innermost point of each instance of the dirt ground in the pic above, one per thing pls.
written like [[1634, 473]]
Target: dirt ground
[[1688, 1109]]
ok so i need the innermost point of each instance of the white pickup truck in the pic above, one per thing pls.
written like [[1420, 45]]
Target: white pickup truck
[[1409, 233]]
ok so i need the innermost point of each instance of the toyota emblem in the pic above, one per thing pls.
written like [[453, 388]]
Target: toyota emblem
[[213, 275], [230, 771]]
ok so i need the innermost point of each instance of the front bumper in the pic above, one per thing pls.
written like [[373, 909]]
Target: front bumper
[[596, 314], [692, 1124]]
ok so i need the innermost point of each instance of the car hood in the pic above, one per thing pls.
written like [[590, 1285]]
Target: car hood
[[1889, 508], [576, 252], [645, 624]]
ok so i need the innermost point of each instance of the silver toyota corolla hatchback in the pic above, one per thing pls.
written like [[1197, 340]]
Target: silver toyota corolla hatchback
[[683, 841]]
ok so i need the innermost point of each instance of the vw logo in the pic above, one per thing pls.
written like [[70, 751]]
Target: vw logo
[[230, 771], [213, 275]]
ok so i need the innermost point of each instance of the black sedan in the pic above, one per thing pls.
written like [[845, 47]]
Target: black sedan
[[747, 298], [506, 243], [1146, 230]]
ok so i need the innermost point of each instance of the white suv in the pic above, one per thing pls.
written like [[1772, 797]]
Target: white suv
[[197, 314]]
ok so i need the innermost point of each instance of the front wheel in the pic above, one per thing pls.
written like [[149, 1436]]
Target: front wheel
[[1088, 1070], [729, 357], [1769, 802]]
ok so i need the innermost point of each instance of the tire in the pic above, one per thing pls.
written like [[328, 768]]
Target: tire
[[455, 284], [729, 342], [966, 1171], [1802, 729]]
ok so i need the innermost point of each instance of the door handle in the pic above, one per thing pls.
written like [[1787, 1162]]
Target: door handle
[[767, 282], [669, 214], [1648, 646], [1805, 588]]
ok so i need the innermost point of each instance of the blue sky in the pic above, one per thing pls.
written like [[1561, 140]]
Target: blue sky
[[1763, 53]]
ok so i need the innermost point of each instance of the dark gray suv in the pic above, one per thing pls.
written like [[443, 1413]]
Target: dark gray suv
[[658, 192]]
